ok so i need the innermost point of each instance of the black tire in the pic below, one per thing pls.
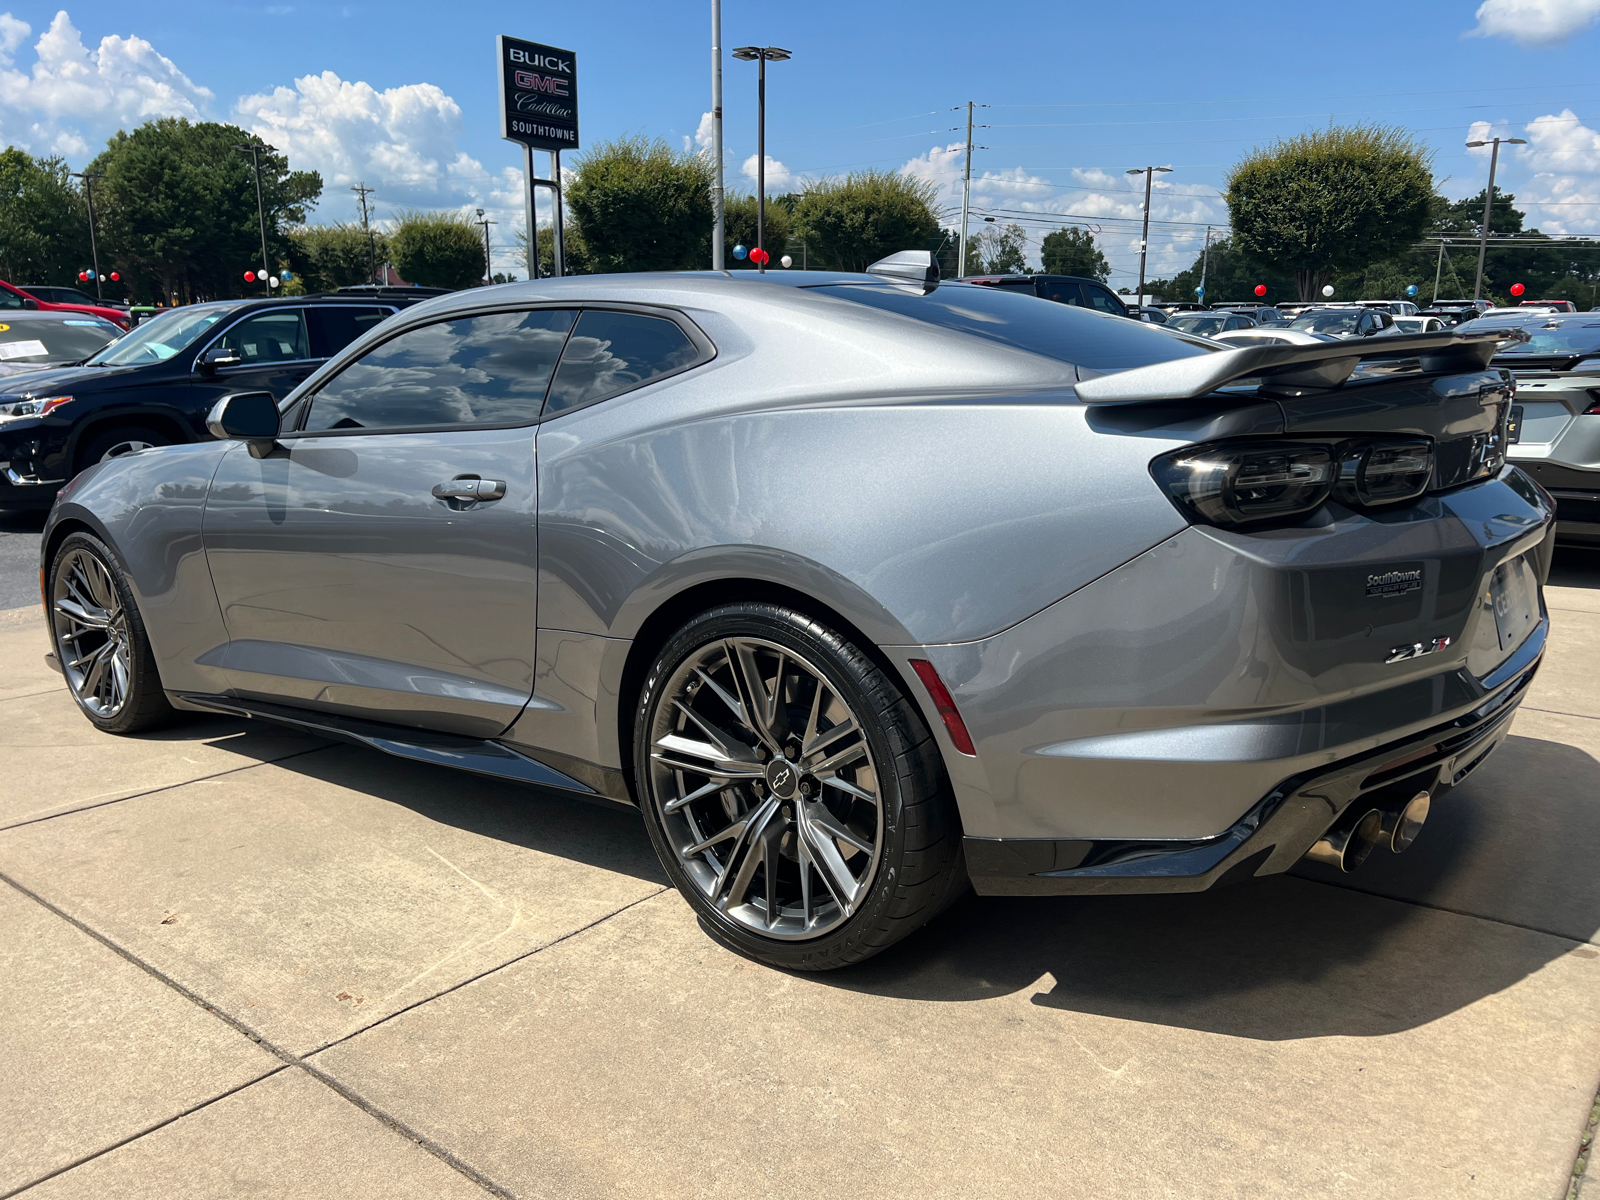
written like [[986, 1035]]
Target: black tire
[[111, 441], [141, 703], [915, 849]]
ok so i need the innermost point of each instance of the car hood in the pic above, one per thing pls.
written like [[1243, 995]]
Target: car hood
[[8, 370], [34, 379]]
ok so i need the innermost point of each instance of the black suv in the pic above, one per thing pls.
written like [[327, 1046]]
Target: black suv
[[1063, 289], [154, 386]]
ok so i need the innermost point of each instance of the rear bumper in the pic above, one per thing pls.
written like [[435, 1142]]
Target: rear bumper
[[1576, 491], [1277, 830]]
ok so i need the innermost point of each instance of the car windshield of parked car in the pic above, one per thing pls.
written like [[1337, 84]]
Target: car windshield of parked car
[[66, 340], [1546, 335], [1328, 321], [1063, 332], [1204, 324], [159, 338]]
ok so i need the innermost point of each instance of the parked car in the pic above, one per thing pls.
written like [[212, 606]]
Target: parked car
[[1149, 314], [1395, 308], [70, 295], [1346, 321], [1063, 289], [14, 299], [1553, 305], [1263, 336], [1259, 313], [1180, 306], [1554, 429], [1461, 310], [154, 386], [33, 340], [860, 587], [1208, 323], [1419, 324]]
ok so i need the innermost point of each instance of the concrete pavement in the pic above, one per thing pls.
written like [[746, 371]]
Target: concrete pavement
[[239, 961]]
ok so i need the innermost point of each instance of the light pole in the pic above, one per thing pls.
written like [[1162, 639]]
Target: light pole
[[719, 232], [762, 55], [255, 149], [1488, 202], [94, 253], [1149, 174], [488, 261]]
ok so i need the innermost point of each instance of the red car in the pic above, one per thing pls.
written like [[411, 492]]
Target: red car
[[15, 297]]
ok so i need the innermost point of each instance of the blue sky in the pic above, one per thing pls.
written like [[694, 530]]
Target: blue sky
[[402, 95]]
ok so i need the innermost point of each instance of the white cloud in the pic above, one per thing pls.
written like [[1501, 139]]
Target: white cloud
[[1538, 24], [779, 178], [1562, 143], [72, 93]]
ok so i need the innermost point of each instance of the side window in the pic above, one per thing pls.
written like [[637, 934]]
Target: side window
[[333, 327], [1025, 286], [277, 335], [486, 370], [1063, 293], [1102, 301], [9, 299], [611, 352]]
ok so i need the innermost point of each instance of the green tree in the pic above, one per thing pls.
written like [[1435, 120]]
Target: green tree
[[641, 206], [1072, 251], [1329, 201], [326, 257], [574, 254], [437, 249], [1230, 274], [850, 223], [44, 222], [739, 224], [178, 208], [994, 249]]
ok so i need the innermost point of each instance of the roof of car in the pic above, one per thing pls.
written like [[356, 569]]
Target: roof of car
[[1022, 278], [52, 314]]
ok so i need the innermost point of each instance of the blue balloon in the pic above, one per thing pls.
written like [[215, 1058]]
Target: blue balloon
[[90, 274], [1411, 289], [1199, 291], [286, 277], [740, 252]]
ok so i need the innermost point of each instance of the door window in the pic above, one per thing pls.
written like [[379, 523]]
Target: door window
[[9, 299], [277, 335], [333, 327], [1103, 301], [1062, 293], [612, 352], [492, 369]]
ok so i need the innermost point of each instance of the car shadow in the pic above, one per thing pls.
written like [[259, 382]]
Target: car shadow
[[1290, 957]]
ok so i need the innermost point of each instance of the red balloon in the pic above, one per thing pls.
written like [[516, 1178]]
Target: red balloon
[[83, 277], [249, 276], [1261, 289], [1517, 289], [760, 256], [115, 278]]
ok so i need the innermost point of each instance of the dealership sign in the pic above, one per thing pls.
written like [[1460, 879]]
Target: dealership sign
[[538, 95]]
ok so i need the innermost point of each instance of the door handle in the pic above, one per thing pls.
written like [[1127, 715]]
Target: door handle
[[470, 489]]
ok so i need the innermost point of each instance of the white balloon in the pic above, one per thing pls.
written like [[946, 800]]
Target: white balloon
[[1327, 289], [787, 261], [273, 281]]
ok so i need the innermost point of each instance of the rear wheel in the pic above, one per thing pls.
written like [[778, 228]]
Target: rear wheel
[[792, 791], [100, 639], [114, 443]]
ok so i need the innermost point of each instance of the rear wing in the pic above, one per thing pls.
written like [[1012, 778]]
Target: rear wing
[[1295, 368]]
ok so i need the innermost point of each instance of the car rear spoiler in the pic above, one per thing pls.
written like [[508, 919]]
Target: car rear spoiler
[[1297, 368]]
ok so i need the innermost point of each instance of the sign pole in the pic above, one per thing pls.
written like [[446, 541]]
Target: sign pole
[[533, 215], [558, 240]]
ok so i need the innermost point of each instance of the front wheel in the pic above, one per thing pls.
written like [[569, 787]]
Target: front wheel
[[792, 791]]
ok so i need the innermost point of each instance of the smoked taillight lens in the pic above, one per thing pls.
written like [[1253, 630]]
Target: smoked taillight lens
[[1247, 483], [1372, 474]]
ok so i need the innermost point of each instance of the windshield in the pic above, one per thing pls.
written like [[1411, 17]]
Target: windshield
[[159, 338], [63, 340], [1064, 332], [1547, 335], [1328, 321], [1204, 324]]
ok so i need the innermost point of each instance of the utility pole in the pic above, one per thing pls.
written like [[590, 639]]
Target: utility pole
[[363, 191], [255, 149], [1149, 174], [1205, 261], [488, 260], [1488, 203], [719, 232], [966, 187], [1439, 271], [94, 253]]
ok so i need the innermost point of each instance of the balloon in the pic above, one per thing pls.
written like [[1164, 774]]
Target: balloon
[[739, 252], [1411, 289], [786, 261], [1261, 289], [249, 276], [115, 278], [759, 256], [273, 282], [287, 277], [1517, 289], [83, 277], [1199, 291], [91, 274], [1327, 289]]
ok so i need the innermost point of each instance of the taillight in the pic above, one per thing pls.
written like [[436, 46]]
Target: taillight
[[1246, 484], [946, 706], [1594, 409], [1377, 473]]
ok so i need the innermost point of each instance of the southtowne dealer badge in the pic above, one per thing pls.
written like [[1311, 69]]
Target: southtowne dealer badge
[[538, 95]]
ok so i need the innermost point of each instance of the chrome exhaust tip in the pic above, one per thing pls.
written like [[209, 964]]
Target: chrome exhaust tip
[[1401, 826], [1348, 843]]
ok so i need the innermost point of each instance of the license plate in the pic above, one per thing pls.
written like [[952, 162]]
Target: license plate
[[1515, 601], [1514, 425]]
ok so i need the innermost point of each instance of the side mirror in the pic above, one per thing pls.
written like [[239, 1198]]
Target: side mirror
[[218, 356], [249, 417], [29, 302]]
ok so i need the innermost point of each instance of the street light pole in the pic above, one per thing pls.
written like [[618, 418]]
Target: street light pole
[[761, 55], [255, 149], [1149, 174], [362, 190], [1205, 262], [719, 232], [488, 259], [1488, 203], [94, 252]]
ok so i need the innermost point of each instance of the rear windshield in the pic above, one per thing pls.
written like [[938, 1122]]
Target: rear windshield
[[1063, 332], [1328, 321], [1202, 323], [1547, 335], [66, 340]]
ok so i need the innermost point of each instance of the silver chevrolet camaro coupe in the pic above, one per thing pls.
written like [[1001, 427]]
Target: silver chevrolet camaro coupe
[[862, 588]]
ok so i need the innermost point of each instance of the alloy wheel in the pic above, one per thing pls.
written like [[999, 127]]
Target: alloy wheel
[[765, 786], [92, 636], [126, 447]]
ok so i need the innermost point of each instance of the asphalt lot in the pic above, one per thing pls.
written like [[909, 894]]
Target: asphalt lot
[[19, 558], [242, 961]]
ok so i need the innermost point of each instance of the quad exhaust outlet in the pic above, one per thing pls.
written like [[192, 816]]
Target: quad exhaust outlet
[[1393, 825]]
